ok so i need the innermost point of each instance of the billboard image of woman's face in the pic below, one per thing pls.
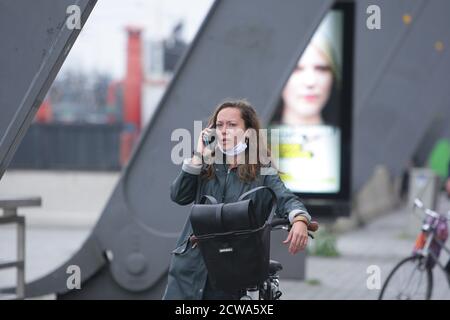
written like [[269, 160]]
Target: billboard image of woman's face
[[308, 116]]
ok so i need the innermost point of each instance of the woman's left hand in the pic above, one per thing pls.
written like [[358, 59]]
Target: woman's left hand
[[298, 237]]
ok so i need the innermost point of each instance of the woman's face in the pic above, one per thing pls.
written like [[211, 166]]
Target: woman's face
[[230, 127], [309, 86]]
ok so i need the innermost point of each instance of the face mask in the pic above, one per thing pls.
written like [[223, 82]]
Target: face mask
[[240, 147]]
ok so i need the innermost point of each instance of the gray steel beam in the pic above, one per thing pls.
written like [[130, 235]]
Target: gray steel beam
[[409, 86], [35, 42]]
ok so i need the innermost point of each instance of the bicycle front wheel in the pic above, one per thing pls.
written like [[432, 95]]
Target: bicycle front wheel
[[410, 279]]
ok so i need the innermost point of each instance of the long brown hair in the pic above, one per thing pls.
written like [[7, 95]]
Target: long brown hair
[[246, 172]]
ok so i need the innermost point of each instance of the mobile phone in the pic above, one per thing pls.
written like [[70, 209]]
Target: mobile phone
[[208, 139], [205, 140]]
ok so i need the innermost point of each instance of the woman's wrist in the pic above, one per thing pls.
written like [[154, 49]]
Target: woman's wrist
[[301, 219]]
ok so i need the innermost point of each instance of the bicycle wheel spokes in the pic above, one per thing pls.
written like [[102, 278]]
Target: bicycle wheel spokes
[[414, 280], [409, 280]]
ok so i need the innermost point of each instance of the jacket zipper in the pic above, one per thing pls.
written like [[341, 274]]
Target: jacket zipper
[[225, 185]]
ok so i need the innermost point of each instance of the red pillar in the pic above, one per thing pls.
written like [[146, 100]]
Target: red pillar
[[132, 94], [45, 112], [133, 79]]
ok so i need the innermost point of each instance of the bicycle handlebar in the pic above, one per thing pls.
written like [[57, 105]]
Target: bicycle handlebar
[[419, 204], [280, 222]]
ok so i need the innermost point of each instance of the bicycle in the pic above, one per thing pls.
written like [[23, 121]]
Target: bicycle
[[270, 288], [236, 248], [418, 283]]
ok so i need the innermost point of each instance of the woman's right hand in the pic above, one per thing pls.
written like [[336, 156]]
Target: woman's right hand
[[205, 151]]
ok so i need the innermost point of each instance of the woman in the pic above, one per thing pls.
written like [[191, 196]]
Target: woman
[[226, 181]]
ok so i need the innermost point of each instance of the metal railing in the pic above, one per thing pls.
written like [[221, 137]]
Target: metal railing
[[10, 206]]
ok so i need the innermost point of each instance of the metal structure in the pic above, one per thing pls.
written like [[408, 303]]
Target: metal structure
[[243, 49]]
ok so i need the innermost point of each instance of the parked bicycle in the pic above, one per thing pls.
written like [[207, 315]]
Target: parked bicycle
[[412, 278]]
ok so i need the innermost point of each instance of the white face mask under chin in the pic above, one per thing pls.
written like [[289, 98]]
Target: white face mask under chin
[[240, 147]]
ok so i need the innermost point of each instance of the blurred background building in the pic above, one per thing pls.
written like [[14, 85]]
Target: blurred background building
[[105, 94]]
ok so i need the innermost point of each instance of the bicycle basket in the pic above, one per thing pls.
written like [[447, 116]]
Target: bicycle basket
[[235, 249]]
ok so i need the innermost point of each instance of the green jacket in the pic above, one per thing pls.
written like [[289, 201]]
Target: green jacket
[[187, 271]]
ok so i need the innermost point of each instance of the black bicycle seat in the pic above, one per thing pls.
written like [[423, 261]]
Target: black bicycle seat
[[274, 267]]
